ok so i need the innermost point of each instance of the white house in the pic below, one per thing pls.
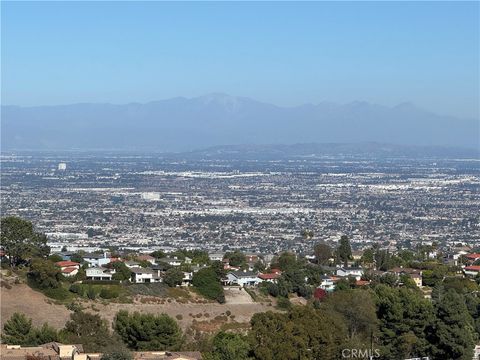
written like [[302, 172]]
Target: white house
[[216, 256], [131, 264], [96, 260], [355, 272], [242, 278], [327, 283], [144, 275], [99, 273], [171, 261]]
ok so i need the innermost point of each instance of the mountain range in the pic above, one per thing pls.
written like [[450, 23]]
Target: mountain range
[[181, 124]]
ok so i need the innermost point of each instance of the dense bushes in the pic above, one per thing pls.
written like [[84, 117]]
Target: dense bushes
[[77, 289], [302, 333], [173, 277], [227, 346], [109, 293], [101, 282], [89, 330], [91, 291], [44, 274], [148, 331], [284, 303], [57, 293], [208, 284], [20, 241], [18, 330]]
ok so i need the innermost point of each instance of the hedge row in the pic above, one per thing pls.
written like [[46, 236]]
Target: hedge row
[[101, 282]]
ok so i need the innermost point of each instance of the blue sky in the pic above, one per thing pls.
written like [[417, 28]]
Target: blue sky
[[284, 53]]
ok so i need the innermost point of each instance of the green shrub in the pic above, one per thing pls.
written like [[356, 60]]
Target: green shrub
[[74, 306], [272, 289], [101, 282], [109, 293], [77, 289], [147, 332], [284, 303], [44, 274], [57, 293], [91, 293], [208, 284]]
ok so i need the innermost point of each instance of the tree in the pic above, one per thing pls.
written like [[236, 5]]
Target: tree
[[144, 263], [122, 272], [405, 316], [43, 335], [294, 281], [433, 277], [367, 257], [287, 261], [237, 258], [344, 250], [220, 271], [208, 284], [18, 330], [20, 242], [87, 329], [76, 258], [44, 274], [259, 266], [173, 277], [272, 289], [301, 333], [460, 285], [345, 284], [382, 260], [389, 279], [148, 331], [323, 253], [406, 255], [454, 336], [227, 346], [55, 258], [158, 254], [357, 309]]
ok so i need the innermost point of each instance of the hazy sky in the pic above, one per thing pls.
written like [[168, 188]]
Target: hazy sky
[[283, 53]]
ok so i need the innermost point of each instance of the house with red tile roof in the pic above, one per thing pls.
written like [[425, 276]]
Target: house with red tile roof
[[68, 268], [471, 258], [472, 270], [270, 277], [362, 283]]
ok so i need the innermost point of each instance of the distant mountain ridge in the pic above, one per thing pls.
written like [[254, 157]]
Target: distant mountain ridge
[[181, 124]]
